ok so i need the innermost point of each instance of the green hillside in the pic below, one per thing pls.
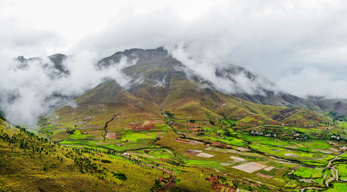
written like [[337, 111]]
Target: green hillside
[[169, 130]]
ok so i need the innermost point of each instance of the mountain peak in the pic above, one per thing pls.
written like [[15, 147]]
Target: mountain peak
[[134, 55], [57, 60]]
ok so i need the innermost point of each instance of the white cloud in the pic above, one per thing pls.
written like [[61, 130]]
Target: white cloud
[[25, 91], [300, 45], [312, 81]]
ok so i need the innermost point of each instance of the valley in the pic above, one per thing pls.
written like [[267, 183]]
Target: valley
[[172, 130], [268, 157]]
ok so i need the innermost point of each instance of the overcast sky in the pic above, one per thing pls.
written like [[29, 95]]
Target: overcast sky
[[299, 45]]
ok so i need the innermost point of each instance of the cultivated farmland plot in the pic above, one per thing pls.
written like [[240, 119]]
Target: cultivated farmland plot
[[250, 167]]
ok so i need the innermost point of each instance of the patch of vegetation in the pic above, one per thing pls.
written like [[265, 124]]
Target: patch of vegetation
[[120, 176]]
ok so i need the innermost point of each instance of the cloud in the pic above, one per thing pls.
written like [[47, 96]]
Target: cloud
[[267, 37], [312, 82], [30, 92], [299, 45], [226, 78]]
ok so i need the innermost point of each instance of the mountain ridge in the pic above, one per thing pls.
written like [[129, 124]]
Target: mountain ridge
[[143, 63]]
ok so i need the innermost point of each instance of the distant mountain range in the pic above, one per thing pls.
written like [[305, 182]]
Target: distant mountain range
[[162, 81]]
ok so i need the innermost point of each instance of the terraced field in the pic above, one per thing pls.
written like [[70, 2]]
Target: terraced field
[[263, 157]]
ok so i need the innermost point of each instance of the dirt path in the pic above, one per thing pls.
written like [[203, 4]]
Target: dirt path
[[329, 180], [169, 184], [308, 188], [331, 161], [145, 155], [106, 124], [334, 171]]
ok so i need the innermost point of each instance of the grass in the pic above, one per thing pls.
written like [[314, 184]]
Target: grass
[[77, 135], [306, 172], [202, 163], [342, 168], [338, 187], [136, 136], [228, 140], [161, 153]]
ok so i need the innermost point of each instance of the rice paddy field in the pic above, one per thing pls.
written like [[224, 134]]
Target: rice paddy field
[[279, 159]]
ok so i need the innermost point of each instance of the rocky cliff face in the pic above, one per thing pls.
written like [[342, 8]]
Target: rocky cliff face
[[340, 108]]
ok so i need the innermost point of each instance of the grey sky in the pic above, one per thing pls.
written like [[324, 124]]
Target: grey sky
[[299, 45]]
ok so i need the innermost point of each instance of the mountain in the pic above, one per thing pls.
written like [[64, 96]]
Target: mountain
[[263, 93], [166, 127], [53, 66], [141, 71], [159, 84], [336, 108]]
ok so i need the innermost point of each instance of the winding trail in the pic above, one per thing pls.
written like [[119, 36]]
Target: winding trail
[[106, 124], [331, 161], [308, 188], [169, 184], [334, 171]]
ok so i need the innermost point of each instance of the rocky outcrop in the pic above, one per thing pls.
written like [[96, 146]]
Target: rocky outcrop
[[340, 108]]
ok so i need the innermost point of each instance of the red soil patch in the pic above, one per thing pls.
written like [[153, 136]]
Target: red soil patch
[[165, 160], [274, 123], [219, 145], [217, 186], [176, 124], [158, 122], [140, 127]]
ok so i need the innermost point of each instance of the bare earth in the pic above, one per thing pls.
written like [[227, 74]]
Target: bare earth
[[269, 168], [206, 155], [237, 159], [250, 167], [290, 155], [111, 135], [263, 175], [192, 152]]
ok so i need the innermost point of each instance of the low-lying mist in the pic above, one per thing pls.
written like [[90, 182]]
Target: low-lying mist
[[225, 77], [28, 92]]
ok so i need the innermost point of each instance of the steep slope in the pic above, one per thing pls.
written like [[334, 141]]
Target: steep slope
[[31, 163], [161, 84], [151, 72], [335, 108], [150, 62]]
